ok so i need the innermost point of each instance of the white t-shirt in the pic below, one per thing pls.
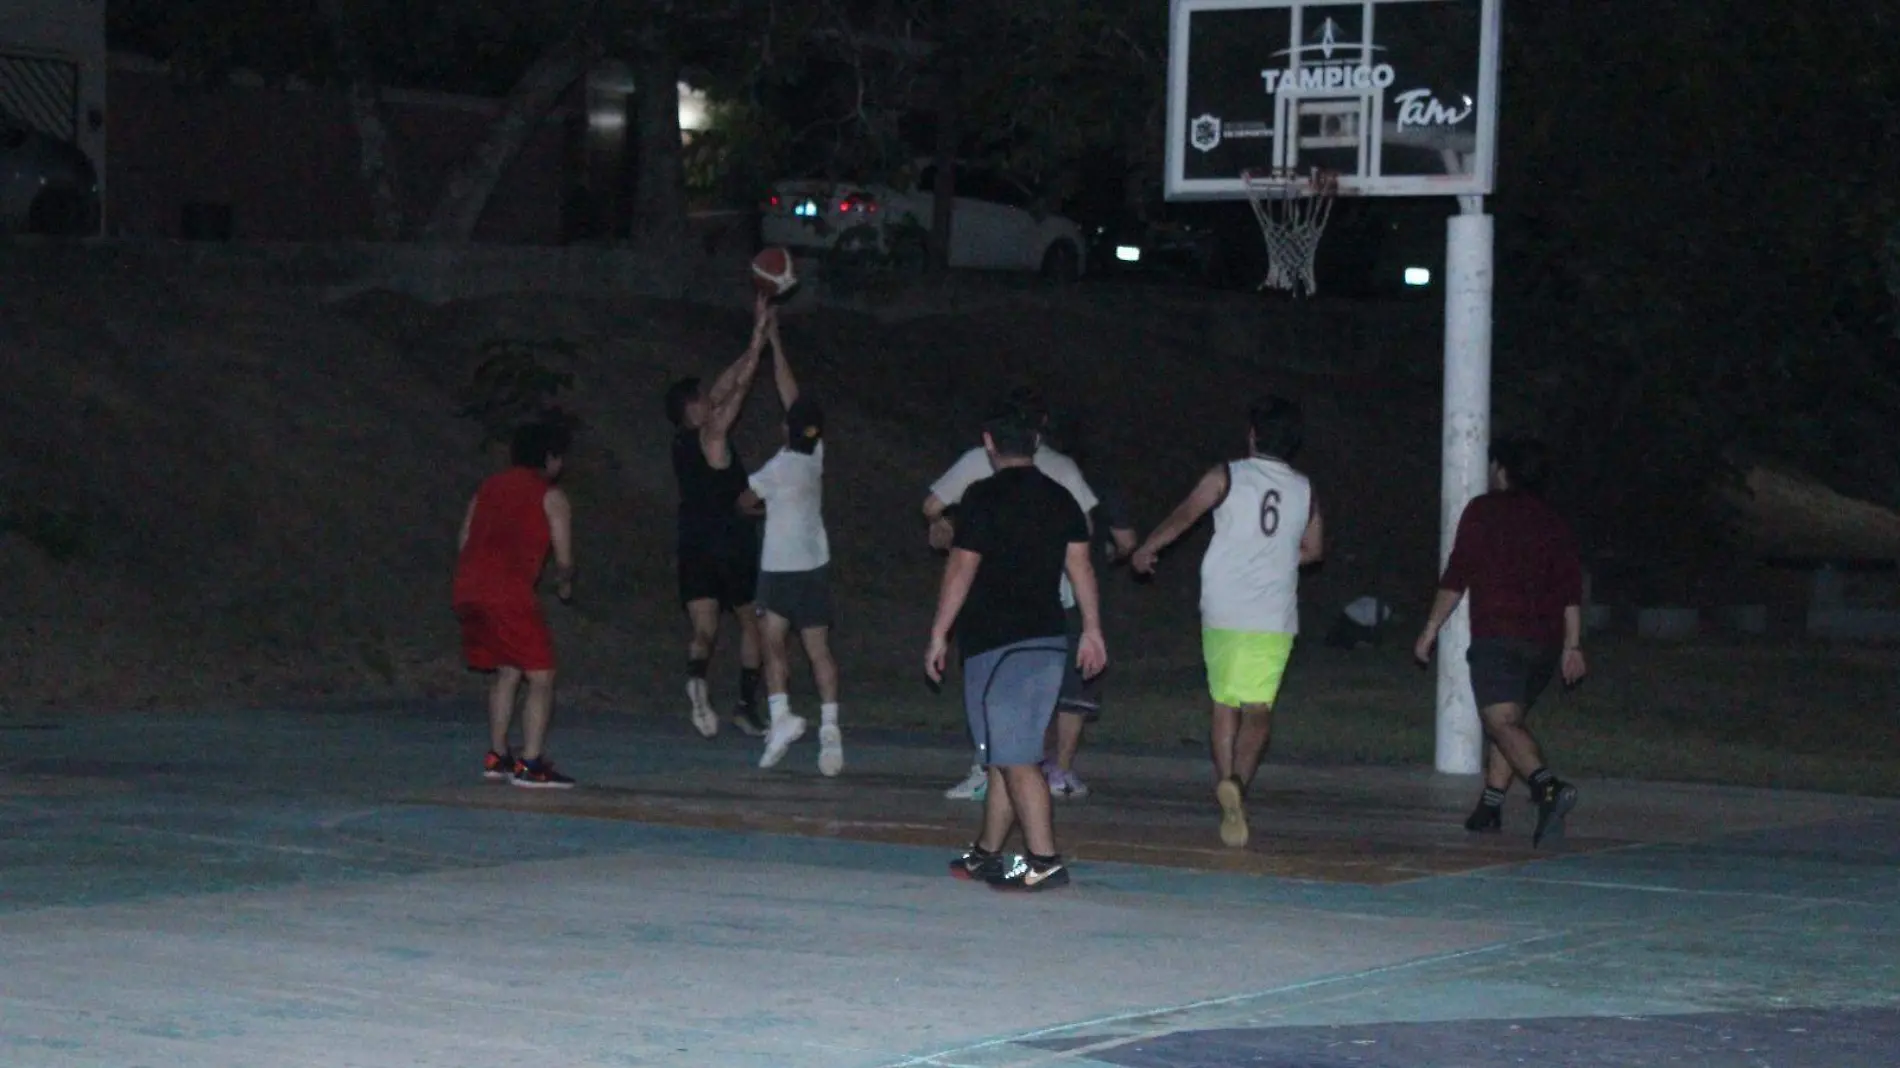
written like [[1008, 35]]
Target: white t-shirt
[[974, 466], [1250, 577], [792, 486]]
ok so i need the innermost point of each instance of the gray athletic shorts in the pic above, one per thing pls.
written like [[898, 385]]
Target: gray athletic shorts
[[1009, 695], [1510, 671], [803, 597], [1080, 696]]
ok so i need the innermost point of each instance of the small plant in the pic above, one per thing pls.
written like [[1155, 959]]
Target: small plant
[[513, 385]]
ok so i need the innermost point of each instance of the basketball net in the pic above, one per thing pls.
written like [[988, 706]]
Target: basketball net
[[1292, 209]]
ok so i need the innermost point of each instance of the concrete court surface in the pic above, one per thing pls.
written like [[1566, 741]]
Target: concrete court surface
[[338, 888]]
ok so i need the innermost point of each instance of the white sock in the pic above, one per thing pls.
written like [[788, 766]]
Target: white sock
[[780, 705], [828, 714]]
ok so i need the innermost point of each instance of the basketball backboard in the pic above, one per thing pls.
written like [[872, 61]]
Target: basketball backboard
[[1398, 97]]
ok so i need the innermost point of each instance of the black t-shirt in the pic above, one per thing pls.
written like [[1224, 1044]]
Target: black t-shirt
[[1022, 523], [709, 498]]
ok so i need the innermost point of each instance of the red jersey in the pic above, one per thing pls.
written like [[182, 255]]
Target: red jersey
[[1519, 562], [508, 540]]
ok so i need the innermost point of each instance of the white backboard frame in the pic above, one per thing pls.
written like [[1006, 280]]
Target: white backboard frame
[[1480, 149]]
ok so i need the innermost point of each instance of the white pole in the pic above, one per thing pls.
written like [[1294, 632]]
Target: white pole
[[1466, 462]]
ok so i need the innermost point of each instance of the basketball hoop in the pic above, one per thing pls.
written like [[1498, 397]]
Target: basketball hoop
[[1292, 209]]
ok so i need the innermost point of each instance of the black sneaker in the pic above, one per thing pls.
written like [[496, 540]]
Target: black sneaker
[[746, 718], [499, 767], [978, 864], [540, 775], [1554, 802], [1485, 819], [1029, 876]]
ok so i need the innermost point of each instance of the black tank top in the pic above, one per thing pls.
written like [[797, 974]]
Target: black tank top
[[709, 496]]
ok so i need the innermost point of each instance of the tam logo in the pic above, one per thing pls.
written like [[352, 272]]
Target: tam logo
[[1418, 107]]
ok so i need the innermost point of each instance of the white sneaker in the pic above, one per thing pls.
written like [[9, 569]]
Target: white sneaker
[[974, 787], [780, 737], [1072, 788], [705, 720], [830, 750]]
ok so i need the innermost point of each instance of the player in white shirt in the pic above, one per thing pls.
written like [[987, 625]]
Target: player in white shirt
[[1266, 527], [972, 467], [794, 589]]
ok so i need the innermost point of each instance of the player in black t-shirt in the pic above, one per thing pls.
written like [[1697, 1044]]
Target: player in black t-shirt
[[1017, 533]]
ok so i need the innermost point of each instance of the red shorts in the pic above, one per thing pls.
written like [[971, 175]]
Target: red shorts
[[497, 636]]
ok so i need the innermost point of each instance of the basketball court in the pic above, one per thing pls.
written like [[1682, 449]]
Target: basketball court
[[338, 888]]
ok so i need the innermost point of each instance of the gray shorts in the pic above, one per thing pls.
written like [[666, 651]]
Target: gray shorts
[[1009, 695], [1080, 696], [802, 597], [1510, 671]]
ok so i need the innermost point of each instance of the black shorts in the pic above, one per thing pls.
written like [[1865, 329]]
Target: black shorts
[[1080, 696], [730, 578], [801, 597], [1511, 671]]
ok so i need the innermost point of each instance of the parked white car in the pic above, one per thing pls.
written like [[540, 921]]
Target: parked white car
[[994, 226]]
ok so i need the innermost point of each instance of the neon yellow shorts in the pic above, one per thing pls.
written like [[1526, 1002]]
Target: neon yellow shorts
[[1245, 667]]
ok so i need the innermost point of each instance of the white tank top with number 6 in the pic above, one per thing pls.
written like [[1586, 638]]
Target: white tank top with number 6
[[1250, 577]]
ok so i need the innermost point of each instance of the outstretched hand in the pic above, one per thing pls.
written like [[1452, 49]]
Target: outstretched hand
[[1144, 560]]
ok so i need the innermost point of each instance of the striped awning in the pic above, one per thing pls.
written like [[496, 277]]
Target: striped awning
[[41, 93]]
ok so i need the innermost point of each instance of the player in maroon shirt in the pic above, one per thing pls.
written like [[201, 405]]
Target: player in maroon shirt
[[1518, 560]]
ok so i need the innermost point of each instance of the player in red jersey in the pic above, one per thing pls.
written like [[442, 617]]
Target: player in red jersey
[[517, 516]]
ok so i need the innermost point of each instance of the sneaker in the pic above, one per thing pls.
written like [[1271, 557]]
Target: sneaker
[[780, 738], [705, 720], [1053, 775], [1028, 876], [540, 775], [974, 787], [1554, 802], [746, 718], [830, 750], [977, 864], [498, 766], [1072, 787], [1485, 819], [1233, 813]]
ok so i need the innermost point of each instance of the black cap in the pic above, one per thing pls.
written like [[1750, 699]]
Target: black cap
[[805, 419]]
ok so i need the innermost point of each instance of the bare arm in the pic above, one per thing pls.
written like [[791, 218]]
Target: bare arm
[[1313, 541], [1443, 606], [560, 513], [1091, 654], [782, 367], [1124, 542], [958, 573], [1207, 493], [468, 521]]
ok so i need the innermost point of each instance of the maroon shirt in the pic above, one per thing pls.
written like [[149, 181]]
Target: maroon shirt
[[1518, 560]]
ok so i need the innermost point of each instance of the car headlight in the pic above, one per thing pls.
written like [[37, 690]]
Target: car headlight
[[1128, 253]]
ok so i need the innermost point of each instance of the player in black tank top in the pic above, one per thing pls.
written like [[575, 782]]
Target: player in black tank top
[[709, 518], [718, 547]]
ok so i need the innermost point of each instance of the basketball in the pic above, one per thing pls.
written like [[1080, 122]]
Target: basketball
[[773, 272]]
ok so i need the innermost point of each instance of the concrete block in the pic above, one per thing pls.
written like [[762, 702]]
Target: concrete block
[[1743, 618], [1668, 624]]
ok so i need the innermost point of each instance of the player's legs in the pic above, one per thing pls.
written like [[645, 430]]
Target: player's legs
[[1506, 678], [824, 674], [1244, 673], [1009, 695], [536, 713], [775, 632], [502, 691]]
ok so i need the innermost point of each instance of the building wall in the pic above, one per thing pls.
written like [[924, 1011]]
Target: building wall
[[36, 37], [285, 160]]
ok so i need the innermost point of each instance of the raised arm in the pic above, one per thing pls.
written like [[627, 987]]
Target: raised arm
[[781, 367], [728, 392], [1207, 493]]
